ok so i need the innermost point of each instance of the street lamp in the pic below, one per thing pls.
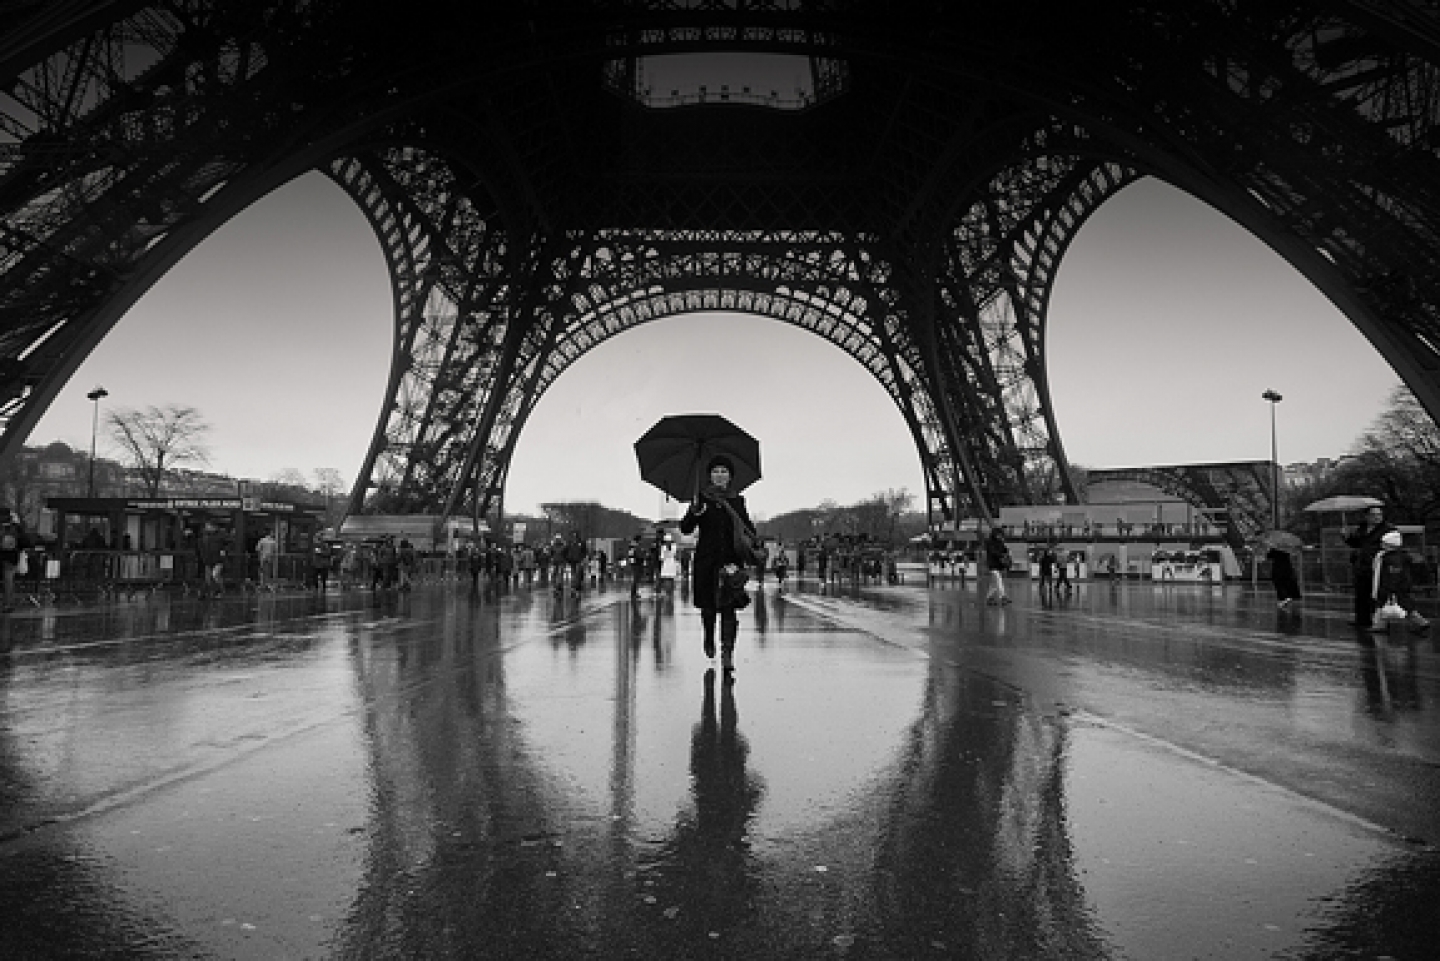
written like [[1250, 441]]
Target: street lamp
[[1274, 399], [95, 395]]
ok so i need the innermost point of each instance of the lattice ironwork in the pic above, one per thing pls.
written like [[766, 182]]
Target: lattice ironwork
[[1242, 491], [530, 206]]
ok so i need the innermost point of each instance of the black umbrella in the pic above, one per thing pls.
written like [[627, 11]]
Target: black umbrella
[[674, 452]]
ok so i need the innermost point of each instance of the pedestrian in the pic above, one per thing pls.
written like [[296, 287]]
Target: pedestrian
[[574, 555], [782, 566], [405, 562], [527, 565], [1282, 575], [320, 562], [719, 584], [822, 565], [635, 558], [1062, 569], [383, 575], [210, 551], [997, 560], [669, 566], [349, 567], [13, 543], [474, 565], [266, 550], [557, 562], [1364, 544], [1393, 580], [1048, 563]]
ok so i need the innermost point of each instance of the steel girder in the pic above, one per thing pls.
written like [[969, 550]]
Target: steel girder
[[1242, 490], [129, 130], [486, 323]]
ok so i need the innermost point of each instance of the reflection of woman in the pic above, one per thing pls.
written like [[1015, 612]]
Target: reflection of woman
[[711, 861], [715, 557]]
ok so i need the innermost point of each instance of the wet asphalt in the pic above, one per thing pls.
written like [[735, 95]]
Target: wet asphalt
[[896, 771]]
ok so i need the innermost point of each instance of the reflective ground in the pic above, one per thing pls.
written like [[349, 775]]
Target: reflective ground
[[896, 772]]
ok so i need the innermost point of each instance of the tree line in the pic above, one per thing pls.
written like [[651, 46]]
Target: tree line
[[1396, 459], [885, 517]]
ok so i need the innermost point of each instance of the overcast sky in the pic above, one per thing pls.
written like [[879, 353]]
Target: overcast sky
[[1166, 325]]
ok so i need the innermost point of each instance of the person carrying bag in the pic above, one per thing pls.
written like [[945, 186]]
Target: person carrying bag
[[1391, 584], [723, 550]]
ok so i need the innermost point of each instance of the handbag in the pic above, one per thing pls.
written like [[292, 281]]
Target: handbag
[[747, 545], [1391, 611], [730, 591]]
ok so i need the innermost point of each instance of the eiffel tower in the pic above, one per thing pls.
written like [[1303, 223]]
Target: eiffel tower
[[538, 186]]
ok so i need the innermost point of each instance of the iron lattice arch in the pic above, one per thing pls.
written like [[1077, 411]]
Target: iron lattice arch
[[1242, 492], [531, 200], [476, 351]]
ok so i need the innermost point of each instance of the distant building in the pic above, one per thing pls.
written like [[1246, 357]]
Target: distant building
[[34, 474], [1302, 474]]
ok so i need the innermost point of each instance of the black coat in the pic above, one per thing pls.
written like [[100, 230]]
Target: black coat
[[715, 547], [1365, 544]]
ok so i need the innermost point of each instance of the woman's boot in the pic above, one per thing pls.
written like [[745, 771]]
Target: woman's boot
[[707, 621], [729, 628]]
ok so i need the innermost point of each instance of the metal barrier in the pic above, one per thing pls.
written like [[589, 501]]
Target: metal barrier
[[80, 574]]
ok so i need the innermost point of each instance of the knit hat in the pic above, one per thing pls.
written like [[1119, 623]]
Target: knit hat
[[720, 460], [1392, 539]]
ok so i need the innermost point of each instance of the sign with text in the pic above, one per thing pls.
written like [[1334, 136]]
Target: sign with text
[[187, 503]]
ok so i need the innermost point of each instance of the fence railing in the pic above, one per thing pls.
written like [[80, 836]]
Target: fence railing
[[90, 573]]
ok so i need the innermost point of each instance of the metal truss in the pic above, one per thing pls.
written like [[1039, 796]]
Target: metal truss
[[530, 207], [999, 263], [1243, 491], [484, 327]]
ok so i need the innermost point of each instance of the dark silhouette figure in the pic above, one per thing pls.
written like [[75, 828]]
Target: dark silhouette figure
[[707, 870]]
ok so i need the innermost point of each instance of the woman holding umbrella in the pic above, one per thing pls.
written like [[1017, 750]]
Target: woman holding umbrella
[[715, 511]]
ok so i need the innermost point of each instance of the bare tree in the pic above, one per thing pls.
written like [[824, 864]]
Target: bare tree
[[288, 477], [158, 439], [897, 502], [19, 490], [329, 482], [1398, 459]]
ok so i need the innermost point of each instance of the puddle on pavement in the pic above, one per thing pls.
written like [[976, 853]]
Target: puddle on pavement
[[1179, 858]]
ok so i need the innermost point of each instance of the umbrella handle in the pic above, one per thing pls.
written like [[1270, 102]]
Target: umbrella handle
[[695, 490]]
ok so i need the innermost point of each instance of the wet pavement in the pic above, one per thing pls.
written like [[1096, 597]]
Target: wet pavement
[[1130, 771]]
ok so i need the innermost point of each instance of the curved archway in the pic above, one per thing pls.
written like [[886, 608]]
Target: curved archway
[[484, 326], [132, 125], [828, 430]]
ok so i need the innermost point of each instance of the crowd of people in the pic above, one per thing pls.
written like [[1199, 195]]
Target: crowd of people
[[1384, 575]]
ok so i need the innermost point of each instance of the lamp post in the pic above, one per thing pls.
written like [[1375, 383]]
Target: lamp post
[[1274, 399], [95, 396]]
